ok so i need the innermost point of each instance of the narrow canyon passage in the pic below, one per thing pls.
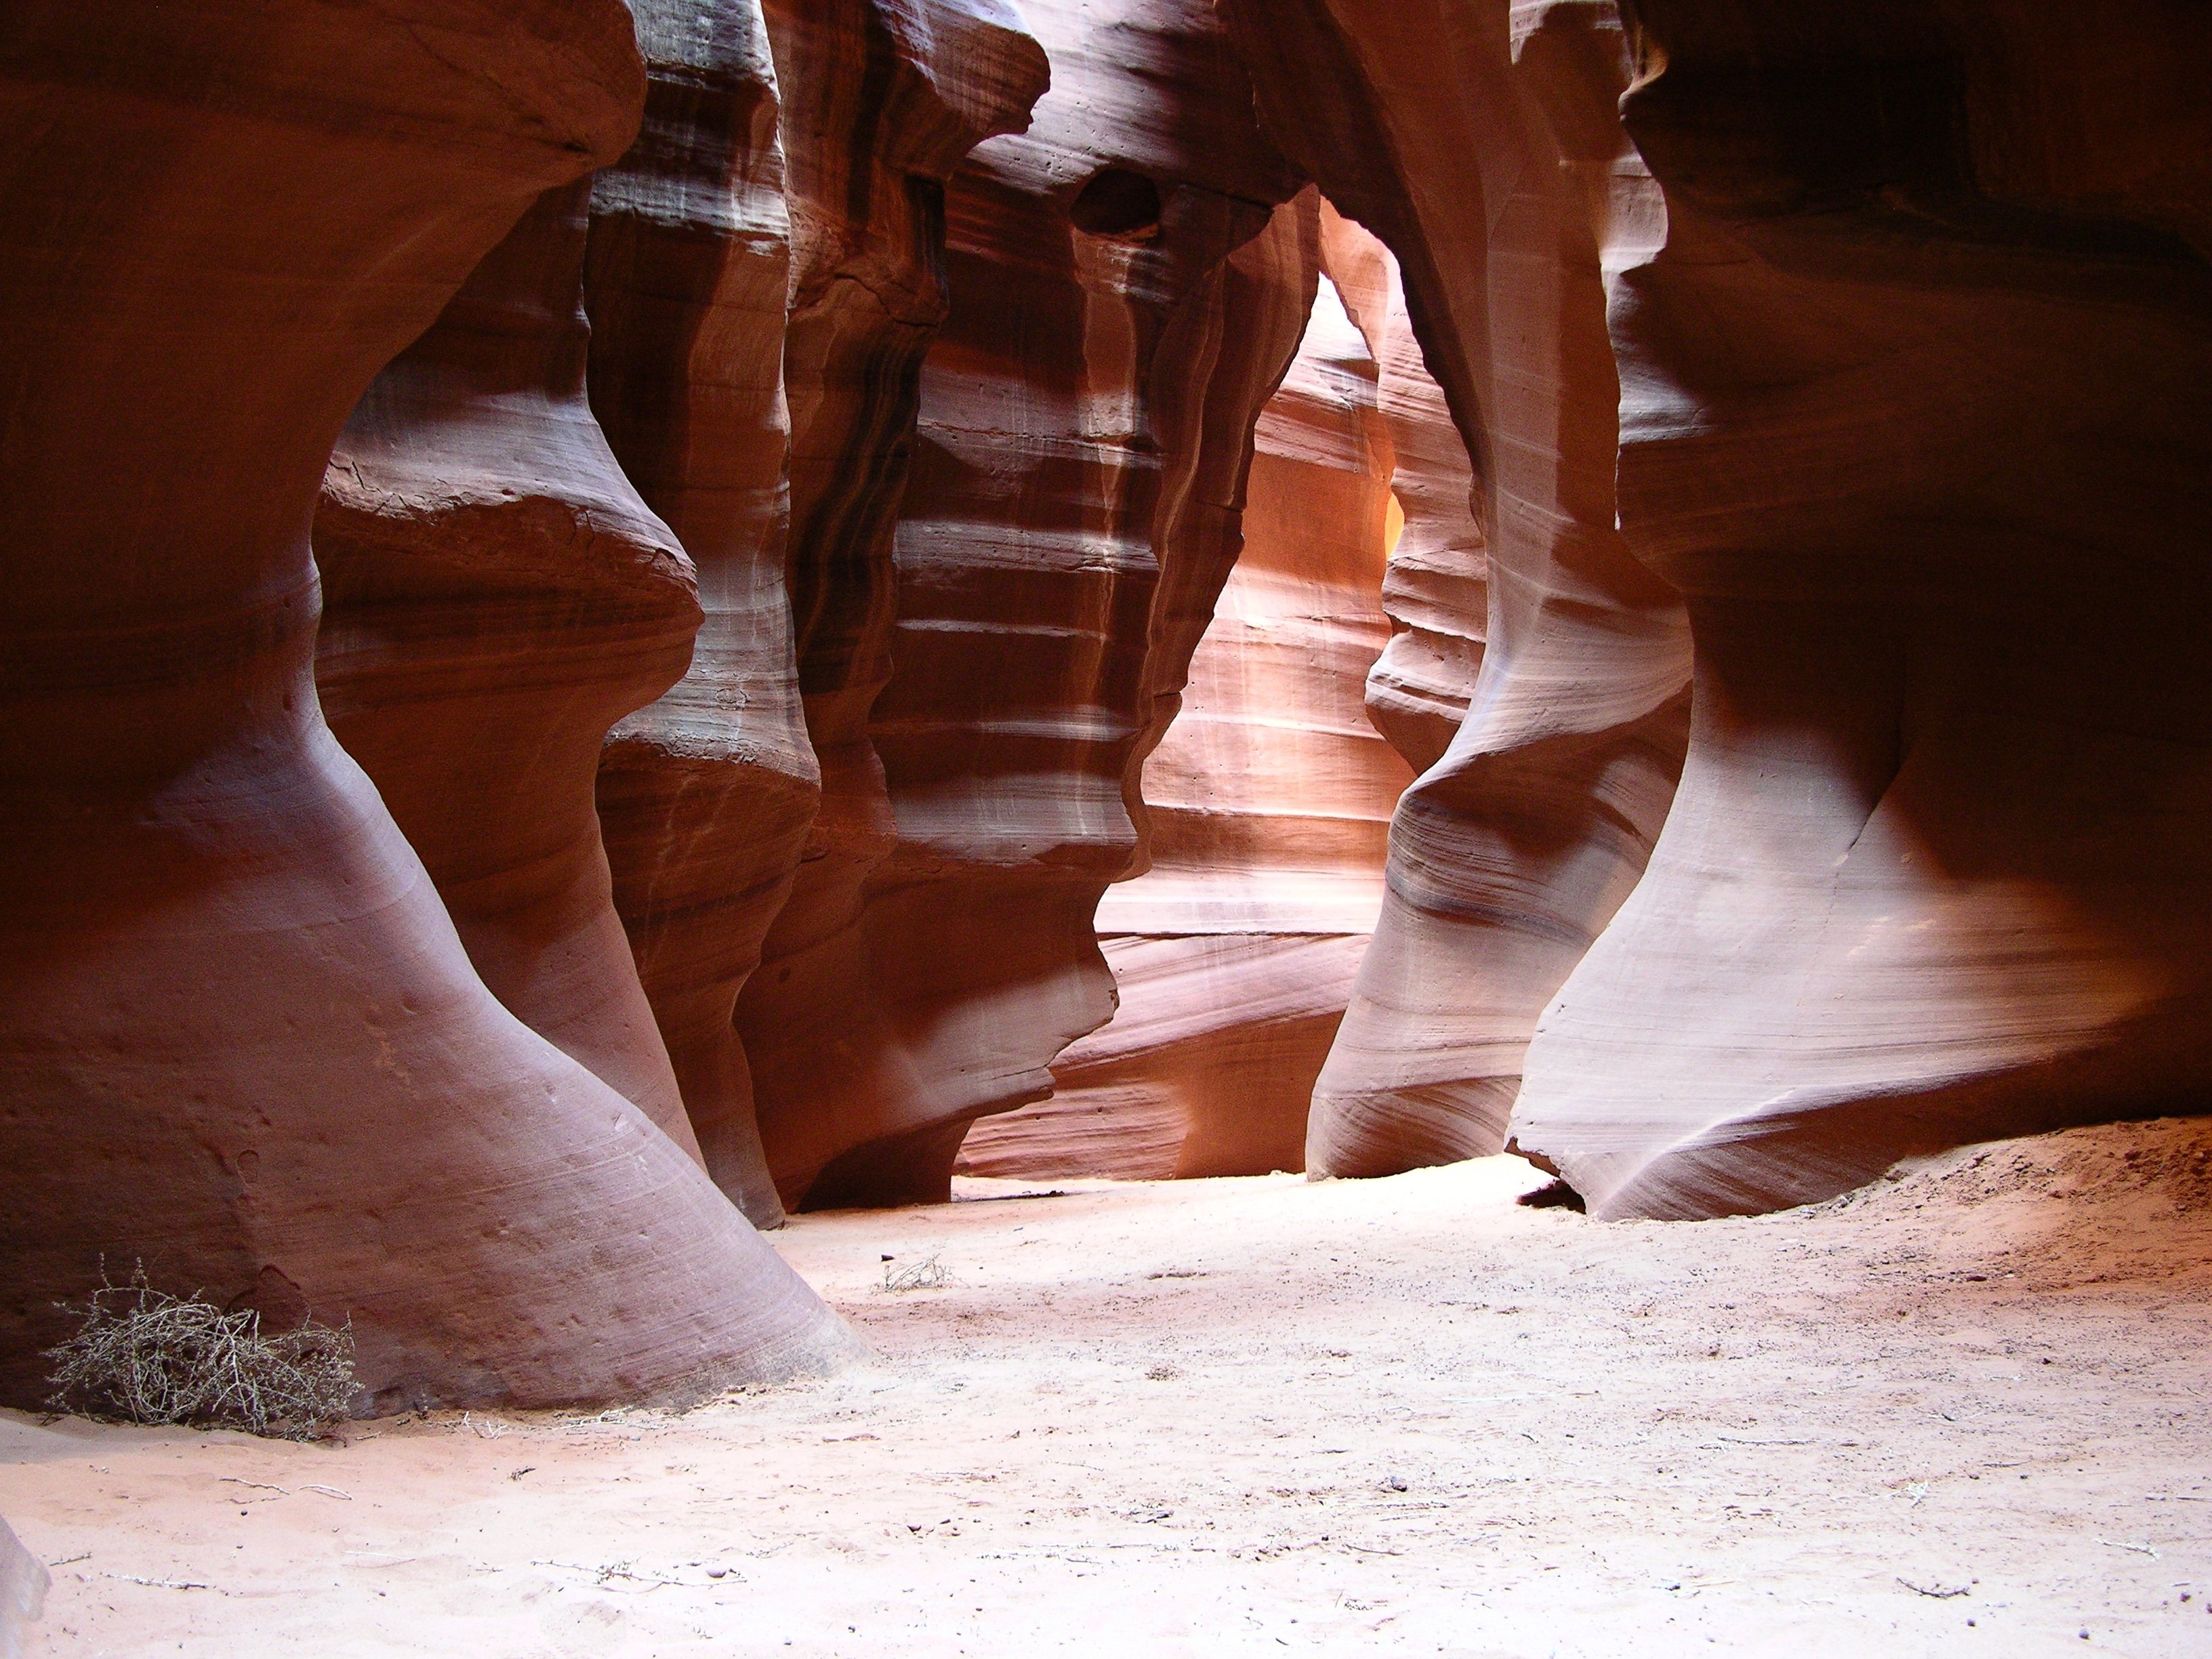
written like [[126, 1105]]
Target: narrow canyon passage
[[1265, 822], [1962, 1411], [1126, 827]]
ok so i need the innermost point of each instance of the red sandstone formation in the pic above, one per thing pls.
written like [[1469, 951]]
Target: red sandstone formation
[[705, 796], [1917, 411], [1083, 261], [239, 1039], [881, 102], [1436, 590], [23, 1583], [495, 596], [1907, 386], [1478, 141], [1266, 812]]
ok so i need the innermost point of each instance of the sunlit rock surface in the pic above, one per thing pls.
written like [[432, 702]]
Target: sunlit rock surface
[[1267, 807], [1435, 587], [1478, 141]]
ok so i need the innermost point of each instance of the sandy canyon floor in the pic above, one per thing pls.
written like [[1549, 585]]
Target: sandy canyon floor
[[1963, 1411]]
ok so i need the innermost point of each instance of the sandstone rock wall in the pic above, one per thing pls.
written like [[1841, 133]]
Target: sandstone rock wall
[[24, 1581], [1082, 259], [1478, 140], [707, 794], [1265, 808], [1918, 398], [240, 1041], [927, 343], [1436, 588], [495, 597], [882, 103]]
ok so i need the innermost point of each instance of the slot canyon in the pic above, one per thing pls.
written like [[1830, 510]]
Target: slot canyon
[[1156, 827]]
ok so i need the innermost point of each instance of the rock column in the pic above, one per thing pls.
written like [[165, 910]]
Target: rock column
[[240, 1041], [1917, 409]]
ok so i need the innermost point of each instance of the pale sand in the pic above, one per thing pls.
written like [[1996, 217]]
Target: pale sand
[[1260, 1416]]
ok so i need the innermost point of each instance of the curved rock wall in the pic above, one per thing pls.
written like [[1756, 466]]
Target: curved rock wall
[[1266, 807], [705, 795], [882, 103], [240, 1041], [1478, 141], [1917, 410], [1026, 563], [1436, 588], [1902, 412], [494, 597]]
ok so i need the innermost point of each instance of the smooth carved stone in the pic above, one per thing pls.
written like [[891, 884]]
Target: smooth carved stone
[[1026, 563], [494, 597], [881, 102], [1238, 333], [240, 1041], [1436, 590], [24, 1582], [1917, 410], [1205, 1070], [1477, 140], [705, 796], [1267, 804]]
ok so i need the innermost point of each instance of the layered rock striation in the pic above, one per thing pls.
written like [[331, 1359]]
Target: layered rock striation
[[882, 102], [1478, 141], [1266, 812], [1917, 405], [705, 795], [494, 597], [240, 1041], [1085, 261]]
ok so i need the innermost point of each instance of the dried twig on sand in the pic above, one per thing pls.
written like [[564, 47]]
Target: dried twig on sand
[[927, 1274], [143, 1356]]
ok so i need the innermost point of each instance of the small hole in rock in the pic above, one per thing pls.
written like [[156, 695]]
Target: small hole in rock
[[1118, 202]]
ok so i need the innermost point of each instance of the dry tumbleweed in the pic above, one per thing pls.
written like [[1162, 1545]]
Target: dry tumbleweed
[[926, 1274], [143, 1356]]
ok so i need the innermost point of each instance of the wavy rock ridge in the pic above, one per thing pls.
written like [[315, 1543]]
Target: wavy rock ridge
[[868, 295], [495, 596], [1514, 847], [707, 794]]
